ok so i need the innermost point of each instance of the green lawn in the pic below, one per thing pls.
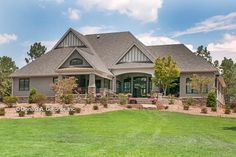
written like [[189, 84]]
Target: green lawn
[[121, 133]]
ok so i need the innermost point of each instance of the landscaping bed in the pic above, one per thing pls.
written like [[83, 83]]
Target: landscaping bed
[[84, 110]]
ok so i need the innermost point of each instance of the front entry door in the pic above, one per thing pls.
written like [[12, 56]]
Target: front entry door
[[140, 87]]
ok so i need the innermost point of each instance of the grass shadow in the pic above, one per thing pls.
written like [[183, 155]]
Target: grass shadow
[[233, 128]]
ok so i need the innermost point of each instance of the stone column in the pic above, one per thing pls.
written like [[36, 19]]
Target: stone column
[[60, 77], [114, 84], [92, 85]]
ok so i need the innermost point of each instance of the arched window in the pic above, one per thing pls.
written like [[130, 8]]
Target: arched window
[[76, 61]]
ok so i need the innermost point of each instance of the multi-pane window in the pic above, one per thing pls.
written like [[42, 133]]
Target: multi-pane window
[[24, 84], [107, 83], [191, 90], [76, 62], [55, 80], [127, 85], [149, 85]]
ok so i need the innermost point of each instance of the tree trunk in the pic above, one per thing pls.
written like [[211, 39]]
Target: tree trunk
[[165, 88]]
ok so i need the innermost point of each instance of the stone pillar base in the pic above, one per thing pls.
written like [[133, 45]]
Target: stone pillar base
[[92, 90]]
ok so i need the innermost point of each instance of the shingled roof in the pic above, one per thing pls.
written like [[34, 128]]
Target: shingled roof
[[185, 59], [104, 50]]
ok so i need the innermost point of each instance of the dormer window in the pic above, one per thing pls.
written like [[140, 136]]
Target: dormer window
[[76, 62]]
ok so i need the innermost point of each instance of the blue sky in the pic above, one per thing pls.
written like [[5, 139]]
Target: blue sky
[[210, 23]]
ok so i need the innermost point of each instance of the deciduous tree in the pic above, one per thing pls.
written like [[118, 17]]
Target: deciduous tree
[[228, 68], [166, 72]]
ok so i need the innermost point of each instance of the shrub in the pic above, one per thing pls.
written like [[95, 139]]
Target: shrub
[[171, 99], [204, 110], [129, 106], [234, 110], [57, 110], [63, 88], [123, 99], [103, 100], [95, 107], [40, 99], [190, 101], [213, 109], [90, 99], [233, 104], [10, 100], [72, 111], [227, 110], [186, 107], [67, 99], [48, 112], [29, 110], [105, 105], [32, 93], [44, 107], [2, 111], [21, 113], [77, 110], [159, 105], [211, 99]]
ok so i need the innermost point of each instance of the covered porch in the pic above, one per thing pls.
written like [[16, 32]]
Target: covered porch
[[136, 84], [88, 81]]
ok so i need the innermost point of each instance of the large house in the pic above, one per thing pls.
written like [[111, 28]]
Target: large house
[[117, 62]]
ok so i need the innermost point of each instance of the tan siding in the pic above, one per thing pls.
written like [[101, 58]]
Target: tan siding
[[42, 84]]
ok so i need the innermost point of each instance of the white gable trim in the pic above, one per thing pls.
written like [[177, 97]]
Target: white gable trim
[[67, 57]]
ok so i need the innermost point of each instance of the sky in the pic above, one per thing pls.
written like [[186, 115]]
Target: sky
[[211, 23]]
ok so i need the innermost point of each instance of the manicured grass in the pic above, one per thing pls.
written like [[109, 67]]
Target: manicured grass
[[121, 133]]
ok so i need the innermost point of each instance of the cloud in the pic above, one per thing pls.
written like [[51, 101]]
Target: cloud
[[220, 22], [73, 14], [48, 43], [224, 48], [143, 10], [95, 29], [6, 38], [57, 1], [150, 39]]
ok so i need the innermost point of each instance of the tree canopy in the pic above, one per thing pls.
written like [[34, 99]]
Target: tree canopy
[[36, 50], [203, 52], [166, 72], [7, 67], [228, 68]]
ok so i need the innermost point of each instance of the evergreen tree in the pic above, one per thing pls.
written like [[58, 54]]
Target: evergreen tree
[[36, 50]]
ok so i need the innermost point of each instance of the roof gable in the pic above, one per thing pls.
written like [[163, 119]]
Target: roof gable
[[69, 39], [75, 55], [134, 55], [111, 47]]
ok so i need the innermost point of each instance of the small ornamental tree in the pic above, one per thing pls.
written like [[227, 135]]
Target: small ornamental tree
[[166, 72], [64, 87]]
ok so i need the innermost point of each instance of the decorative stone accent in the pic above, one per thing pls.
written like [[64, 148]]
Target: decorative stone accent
[[92, 90], [25, 99]]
